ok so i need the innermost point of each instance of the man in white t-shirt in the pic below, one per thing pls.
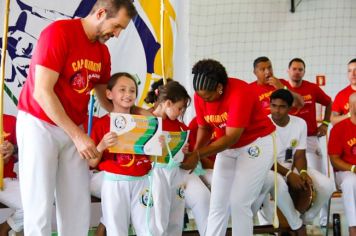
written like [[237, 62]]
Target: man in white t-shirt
[[292, 165]]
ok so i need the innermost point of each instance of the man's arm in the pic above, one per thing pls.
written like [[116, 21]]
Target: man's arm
[[45, 80], [339, 164], [323, 128], [300, 160], [298, 101], [336, 117]]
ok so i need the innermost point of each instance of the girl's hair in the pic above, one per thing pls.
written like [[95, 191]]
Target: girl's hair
[[208, 73], [174, 92], [152, 95], [115, 77]]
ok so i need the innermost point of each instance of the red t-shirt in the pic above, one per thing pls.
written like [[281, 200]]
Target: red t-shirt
[[311, 94], [341, 102], [10, 135], [238, 107], [264, 92], [64, 47], [123, 164], [173, 125], [193, 127], [342, 141]]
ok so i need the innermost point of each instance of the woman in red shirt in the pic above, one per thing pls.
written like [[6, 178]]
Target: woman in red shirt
[[244, 145]]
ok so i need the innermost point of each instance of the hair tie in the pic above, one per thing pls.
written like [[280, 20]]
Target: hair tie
[[156, 92]]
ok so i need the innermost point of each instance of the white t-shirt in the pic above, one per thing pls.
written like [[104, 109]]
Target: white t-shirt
[[292, 137]]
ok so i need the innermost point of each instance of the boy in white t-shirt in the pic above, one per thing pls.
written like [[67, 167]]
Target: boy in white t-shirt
[[292, 165]]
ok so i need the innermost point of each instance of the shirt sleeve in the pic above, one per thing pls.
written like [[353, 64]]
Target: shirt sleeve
[[53, 48], [199, 110], [335, 143], [106, 73], [302, 144], [336, 107], [322, 97], [241, 107]]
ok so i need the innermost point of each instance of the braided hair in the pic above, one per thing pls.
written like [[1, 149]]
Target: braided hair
[[208, 73]]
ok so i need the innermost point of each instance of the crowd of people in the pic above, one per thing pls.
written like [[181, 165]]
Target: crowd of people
[[240, 129]]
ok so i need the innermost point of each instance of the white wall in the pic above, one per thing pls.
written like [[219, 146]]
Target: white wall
[[322, 32]]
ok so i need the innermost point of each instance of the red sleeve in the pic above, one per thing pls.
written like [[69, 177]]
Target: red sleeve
[[99, 130], [199, 110], [285, 82], [240, 108], [337, 107], [54, 47], [193, 127], [9, 122], [106, 72], [335, 141], [322, 97]]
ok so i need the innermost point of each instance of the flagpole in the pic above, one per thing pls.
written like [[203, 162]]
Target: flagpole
[[162, 43], [2, 81]]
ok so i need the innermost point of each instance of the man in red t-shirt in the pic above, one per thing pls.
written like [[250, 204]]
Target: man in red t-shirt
[[10, 195], [342, 152], [340, 108], [311, 94], [52, 108], [266, 83]]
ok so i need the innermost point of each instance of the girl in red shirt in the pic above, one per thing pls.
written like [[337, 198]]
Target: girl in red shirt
[[124, 193], [170, 102]]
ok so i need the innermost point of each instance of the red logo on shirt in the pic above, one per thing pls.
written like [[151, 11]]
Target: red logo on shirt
[[353, 150], [79, 81]]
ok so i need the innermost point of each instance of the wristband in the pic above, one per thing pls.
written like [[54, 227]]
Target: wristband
[[288, 173], [325, 122], [353, 168], [302, 171]]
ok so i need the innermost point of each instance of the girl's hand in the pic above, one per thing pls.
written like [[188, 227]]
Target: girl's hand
[[109, 140], [162, 140], [185, 149]]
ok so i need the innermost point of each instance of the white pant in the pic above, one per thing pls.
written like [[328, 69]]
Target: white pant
[[11, 197], [323, 187], [314, 155], [208, 177], [285, 202], [122, 200], [347, 182], [96, 182], [317, 162], [237, 180], [168, 200], [197, 198], [50, 166]]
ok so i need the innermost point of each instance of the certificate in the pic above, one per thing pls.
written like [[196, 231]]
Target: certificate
[[175, 142], [136, 134]]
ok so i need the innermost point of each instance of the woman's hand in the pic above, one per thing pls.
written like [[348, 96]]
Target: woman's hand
[[191, 161]]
